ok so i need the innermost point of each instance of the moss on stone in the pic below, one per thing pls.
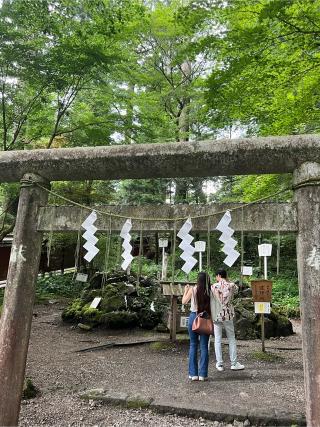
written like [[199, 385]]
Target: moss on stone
[[113, 297], [90, 315], [74, 311]]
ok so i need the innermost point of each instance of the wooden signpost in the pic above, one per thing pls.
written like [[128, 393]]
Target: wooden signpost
[[175, 290], [261, 294]]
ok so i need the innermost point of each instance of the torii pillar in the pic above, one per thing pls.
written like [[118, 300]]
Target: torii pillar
[[307, 197], [17, 311]]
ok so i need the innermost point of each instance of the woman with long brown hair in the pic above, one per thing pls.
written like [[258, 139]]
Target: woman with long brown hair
[[199, 296]]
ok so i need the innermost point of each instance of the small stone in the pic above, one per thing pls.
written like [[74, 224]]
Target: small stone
[[243, 395], [84, 327], [246, 423], [237, 423]]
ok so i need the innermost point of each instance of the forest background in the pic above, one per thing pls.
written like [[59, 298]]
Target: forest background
[[106, 72]]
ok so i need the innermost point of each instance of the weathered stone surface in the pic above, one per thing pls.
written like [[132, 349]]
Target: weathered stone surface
[[307, 195], [138, 401], [257, 217], [245, 329], [181, 159], [16, 316], [134, 401], [108, 396]]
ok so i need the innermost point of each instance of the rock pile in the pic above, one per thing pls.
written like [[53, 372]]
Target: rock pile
[[123, 303]]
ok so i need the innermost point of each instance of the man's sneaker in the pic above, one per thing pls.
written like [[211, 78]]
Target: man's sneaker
[[219, 367], [203, 378], [194, 378], [237, 367]]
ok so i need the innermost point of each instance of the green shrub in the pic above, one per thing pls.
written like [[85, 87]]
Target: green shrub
[[58, 285], [285, 295]]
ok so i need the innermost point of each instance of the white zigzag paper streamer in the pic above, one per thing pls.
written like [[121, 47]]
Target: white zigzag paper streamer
[[227, 240], [89, 236], [185, 245], [125, 234]]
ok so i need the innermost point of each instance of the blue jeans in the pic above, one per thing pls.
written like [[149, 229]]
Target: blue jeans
[[193, 352]]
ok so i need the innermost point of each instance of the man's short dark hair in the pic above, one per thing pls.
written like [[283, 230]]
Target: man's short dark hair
[[222, 273]]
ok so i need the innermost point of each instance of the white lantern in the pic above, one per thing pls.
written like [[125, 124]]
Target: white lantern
[[265, 249], [163, 243], [200, 246]]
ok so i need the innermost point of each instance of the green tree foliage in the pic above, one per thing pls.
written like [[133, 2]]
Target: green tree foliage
[[50, 53], [266, 75], [53, 56]]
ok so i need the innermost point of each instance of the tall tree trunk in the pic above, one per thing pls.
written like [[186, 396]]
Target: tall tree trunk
[[130, 116]]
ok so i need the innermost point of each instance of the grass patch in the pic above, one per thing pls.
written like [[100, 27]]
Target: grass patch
[[161, 346], [266, 357]]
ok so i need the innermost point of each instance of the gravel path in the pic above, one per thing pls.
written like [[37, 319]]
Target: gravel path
[[62, 374]]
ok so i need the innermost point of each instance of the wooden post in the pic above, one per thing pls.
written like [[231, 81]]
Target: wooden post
[[278, 252], [260, 266], [263, 347], [165, 259], [174, 312], [307, 196], [174, 299], [19, 299]]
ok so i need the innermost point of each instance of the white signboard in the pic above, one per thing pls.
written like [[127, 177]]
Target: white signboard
[[184, 321], [247, 271], [200, 246], [163, 243], [262, 307], [265, 249], [81, 277], [95, 302]]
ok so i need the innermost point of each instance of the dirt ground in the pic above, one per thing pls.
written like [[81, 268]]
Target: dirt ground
[[270, 387]]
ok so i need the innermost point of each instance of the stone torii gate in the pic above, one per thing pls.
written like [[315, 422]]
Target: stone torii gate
[[297, 154]]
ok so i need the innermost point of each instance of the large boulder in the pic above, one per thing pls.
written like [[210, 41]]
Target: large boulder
[[248, 324], [119, 320]]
